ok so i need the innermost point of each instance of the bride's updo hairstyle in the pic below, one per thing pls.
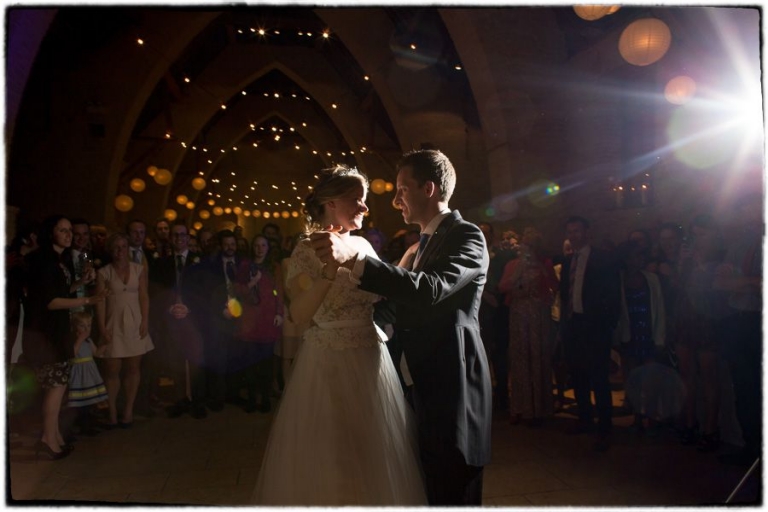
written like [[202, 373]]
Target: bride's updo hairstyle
[[332, 184]]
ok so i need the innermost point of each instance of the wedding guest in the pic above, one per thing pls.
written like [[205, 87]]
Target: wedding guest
[[81, 259], [124, 325], [47, 343], [180, 305], [215, 283], [741, 277], [641, 330], [529, 284], [590, 292], [100, 255], [699, 311], [86, 387], [494, 314], [288, 345], [377, 240], [259, 288], [162, 237]]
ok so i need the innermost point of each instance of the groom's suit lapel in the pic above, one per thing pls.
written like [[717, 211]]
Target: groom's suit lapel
[[436, 240]]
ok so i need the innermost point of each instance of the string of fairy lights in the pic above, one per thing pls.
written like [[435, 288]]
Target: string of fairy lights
[[248, 203]]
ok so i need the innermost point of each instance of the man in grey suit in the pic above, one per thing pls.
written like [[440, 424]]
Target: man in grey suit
[[434, 299]]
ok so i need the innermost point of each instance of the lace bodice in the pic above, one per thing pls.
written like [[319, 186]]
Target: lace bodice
[[345, 318]]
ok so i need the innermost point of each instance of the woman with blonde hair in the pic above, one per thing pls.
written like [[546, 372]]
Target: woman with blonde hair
[[343, 434], [123, 325]]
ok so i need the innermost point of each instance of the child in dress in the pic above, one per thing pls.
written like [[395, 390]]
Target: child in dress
[[86, 387]]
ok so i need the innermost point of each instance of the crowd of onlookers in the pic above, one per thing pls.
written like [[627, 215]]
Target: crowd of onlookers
[[131, 321], [673, 312]]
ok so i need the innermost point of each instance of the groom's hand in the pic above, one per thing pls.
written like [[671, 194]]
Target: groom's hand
[[331, 248]]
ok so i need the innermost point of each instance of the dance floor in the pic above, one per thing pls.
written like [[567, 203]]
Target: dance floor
[[215, 461]]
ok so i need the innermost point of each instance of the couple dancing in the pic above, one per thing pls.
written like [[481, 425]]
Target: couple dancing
[[344, 433]]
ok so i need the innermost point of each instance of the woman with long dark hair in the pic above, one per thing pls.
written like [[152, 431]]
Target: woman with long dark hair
[[47, 343]]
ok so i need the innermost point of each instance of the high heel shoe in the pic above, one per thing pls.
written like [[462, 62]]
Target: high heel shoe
[[41, 447]]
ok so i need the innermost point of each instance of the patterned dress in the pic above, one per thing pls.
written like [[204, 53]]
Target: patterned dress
[[86, 386]]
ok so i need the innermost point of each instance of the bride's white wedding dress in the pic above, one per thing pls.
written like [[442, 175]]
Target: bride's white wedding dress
[[343, 434]]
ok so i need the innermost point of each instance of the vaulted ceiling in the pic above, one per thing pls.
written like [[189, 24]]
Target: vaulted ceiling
[[255, 100]]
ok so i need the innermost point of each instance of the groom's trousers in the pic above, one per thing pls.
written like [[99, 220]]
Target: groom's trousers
[[450, 481]]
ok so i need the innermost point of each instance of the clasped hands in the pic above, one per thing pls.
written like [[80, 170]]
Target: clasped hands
[[331, 248]]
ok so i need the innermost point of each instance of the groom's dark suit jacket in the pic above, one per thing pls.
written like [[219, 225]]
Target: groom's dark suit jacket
[[435, 309]]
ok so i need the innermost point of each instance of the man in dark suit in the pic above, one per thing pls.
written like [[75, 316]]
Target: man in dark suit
[[434, 297], [177, 300], [217, 279], [590, 294]]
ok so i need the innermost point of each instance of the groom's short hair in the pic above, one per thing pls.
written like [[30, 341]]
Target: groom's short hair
[[431, 165]]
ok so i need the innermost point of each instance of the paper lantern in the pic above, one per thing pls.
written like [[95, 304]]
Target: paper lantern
[[237, 210], [267, 215], [170, 214], [198, 183], [247, 213], [204, 214], [138, 185], [163, 176], [378, 186], [211, 202], [591, 12], [218, 210], [190, 205], [257, 213], [181, 199], [389, 187], [198, 225], [227, 210], [645, 41], [285, 214], [152, 170], [680, 89], [294, 214], [124, 203], [276, 215]]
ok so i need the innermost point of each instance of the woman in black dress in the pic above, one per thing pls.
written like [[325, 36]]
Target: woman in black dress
[[47, 343]]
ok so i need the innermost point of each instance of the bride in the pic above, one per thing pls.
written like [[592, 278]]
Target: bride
[[343, 434]]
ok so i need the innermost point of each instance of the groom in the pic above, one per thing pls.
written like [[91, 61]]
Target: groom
[[434, 299]]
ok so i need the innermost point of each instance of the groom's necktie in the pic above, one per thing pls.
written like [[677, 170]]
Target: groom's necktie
[[423, 240]]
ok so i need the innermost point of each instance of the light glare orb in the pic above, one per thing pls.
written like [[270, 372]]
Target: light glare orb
[[124, 203], [680, 90], [170, 214], [204, 214], [285, 214], [218, 210], [645, 41], [237, 210], [198, 183], [152, 170], [138, 185], [181, 199], [378, 186], [267, 215], [256, 213], [247, 213], [389, 187], [198, 225], [190, 205], [163, 176], [227, 210]]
